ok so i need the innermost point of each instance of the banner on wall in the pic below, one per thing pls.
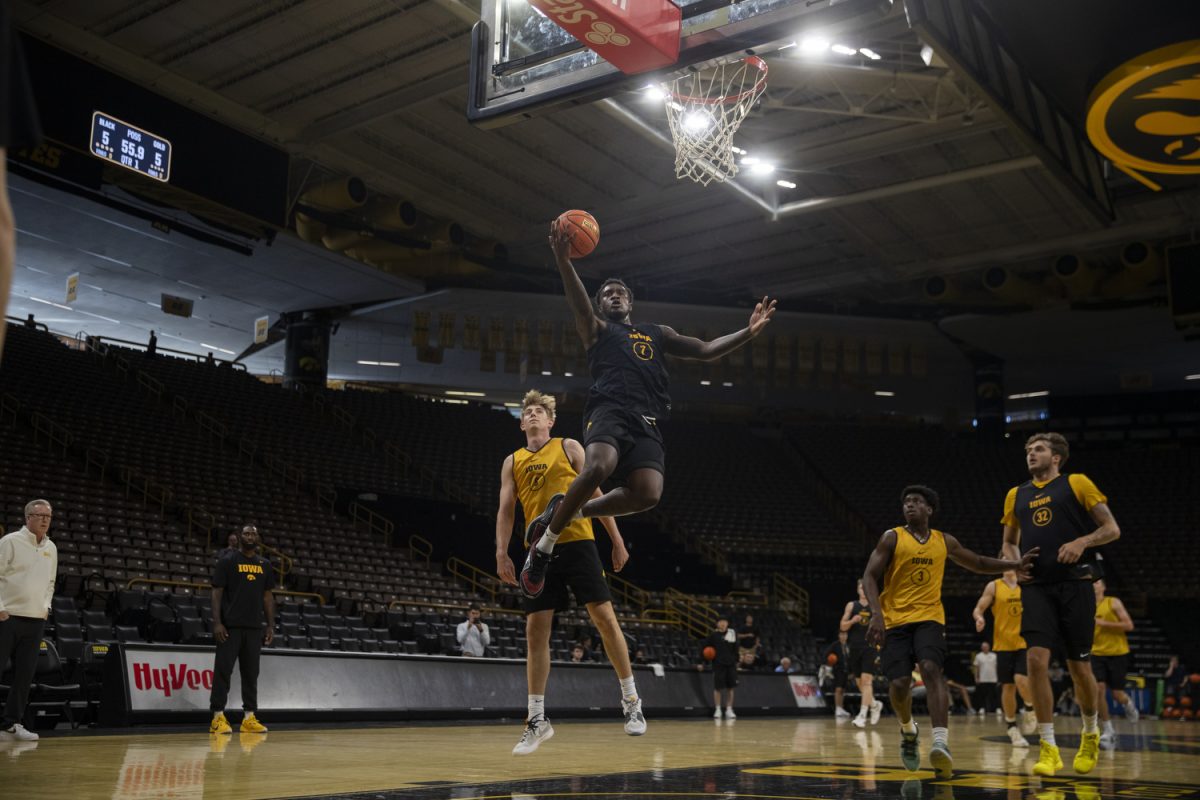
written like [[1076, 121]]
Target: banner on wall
[[806, 692]]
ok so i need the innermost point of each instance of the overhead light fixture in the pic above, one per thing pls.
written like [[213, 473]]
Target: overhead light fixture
[[568, 374], [762, 168], [785, 184], [512, 405], [454, 401], [737, 150], [380, 363], [457, 393], [885, 394], [1027, 395], [1193, 377], [47, 302], [706, 383], [749, 160], [869, 53], [655, 92], [727, 384], [812, 45], [547, 373], [99, 316], [844, 50], [218, 349], [927, 54], [787, 46], [697, 121]]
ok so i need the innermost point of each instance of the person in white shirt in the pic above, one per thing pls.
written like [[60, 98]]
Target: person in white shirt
[[985, 678], [473, 635], [28, 568]]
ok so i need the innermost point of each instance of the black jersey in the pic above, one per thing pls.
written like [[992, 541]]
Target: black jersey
[[628, 370], [861, 614], [1051, 515]]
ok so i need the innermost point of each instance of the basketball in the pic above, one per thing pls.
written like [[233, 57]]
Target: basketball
[[710, 653], [1186, 702], [1169, 700], [831, 659], [583, 230], [1194, 677], [1188, 713]]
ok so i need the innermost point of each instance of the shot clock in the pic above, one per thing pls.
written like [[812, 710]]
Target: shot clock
[[130, 146]]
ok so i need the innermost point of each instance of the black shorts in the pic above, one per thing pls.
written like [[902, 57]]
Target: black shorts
[[1008, 664], [725, 676], [861, 659], [1059, 614], [1110, 670], [906, 645], [575, 568], [637, 438], [844, 680]]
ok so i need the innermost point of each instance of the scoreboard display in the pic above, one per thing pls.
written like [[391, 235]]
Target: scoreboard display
[[130, 147]]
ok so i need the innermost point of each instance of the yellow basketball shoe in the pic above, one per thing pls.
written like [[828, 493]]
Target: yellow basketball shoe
[[250, 724], [219, 724], [1089, 751], [1049, 761]]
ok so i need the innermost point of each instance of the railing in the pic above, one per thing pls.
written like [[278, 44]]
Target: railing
[[286, 562], [55, 434], [791, 597], [420, 548], [292, 477], [696, 616], [10, 407], [151, 384], [480, 582], [211, 425], [98, 341], [326, 495], [208, 586], [179, 408], [97, 457], [749, 598], [628, 594], [151, 493], [714, 555], [375, 523], [25, 322], [496, 611], [198, 519]]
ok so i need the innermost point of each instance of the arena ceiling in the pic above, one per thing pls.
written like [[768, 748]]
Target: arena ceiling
[[907, 171]]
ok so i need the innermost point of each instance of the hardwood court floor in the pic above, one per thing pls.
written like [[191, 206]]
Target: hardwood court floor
[[774, 758]]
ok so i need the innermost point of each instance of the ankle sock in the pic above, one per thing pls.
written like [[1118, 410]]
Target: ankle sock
[[537, 706], [546, 543], [1046, 732], [628, 689]]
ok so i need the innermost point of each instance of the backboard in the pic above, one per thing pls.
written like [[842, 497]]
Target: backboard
[[524, 65]]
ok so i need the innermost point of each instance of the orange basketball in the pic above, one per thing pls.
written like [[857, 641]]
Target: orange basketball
[[831, 659], [1188, 713], [709, 653], [583, 230], [1169, 700], [1186, 702], [1194, 677]]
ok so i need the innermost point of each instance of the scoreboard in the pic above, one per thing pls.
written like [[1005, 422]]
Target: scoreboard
[[130, 147]]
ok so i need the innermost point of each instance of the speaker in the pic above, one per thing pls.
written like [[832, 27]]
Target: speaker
[[1183, 283], [179, 306]]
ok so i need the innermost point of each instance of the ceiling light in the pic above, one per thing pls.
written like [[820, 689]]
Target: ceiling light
[[218, 349], [739, 151], [706, 383], [457, 393], [885, 394], [98, 316], [1027, 395], [1195, 377], [748, 160], [844, 50], [728, 384], [512, 405], [655, 92], [455, 402], [153, 304], [869, 53], [762, 168], [568, 374], [47, 302], [381, 364], [927, 54], [547, 373], [697, 122], [785, 184], [813, 45], [786, 46]]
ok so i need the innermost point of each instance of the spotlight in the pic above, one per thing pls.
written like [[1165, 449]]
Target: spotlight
[[762, 168], [654, 92], [843, 50], [813, 45], [927, 54], [697, 122], [785, 184], [869, 53]]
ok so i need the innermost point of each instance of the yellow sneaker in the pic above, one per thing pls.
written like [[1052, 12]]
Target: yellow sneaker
[[1089, 751], [1049, 761], [249, 741], [219, 725], [250, 724]]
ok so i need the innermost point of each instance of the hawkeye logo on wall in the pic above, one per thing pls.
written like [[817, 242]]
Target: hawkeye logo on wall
[[1144, 116]]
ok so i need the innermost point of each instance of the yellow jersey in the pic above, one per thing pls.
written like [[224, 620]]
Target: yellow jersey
[[1108, 641], [541, 475], [1006, 614], [912, 585]]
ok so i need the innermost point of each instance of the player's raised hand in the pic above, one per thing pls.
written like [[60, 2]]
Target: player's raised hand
[[763, 311], [1025, 571], [560, 241]]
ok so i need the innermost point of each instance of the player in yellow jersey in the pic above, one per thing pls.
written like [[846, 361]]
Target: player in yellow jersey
[[1065, 517], [903, 585], [544, 467], [1110, 660], [1003, 596]]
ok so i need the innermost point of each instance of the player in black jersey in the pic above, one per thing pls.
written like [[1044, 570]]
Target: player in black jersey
[[627, 400], [862, 657], [1066, 517]]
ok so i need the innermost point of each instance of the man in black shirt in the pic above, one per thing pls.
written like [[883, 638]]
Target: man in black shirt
[[724, 641], [242, 583], [627, 399]]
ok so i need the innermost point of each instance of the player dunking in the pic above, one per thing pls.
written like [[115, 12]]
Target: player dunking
[[541, 469], [908, 618], [1003, 596], [627, 399], [1063, 516]]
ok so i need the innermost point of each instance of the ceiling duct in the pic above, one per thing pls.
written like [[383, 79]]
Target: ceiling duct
[[1012, 288], [309, 229], [942, 290], [395, 215], [433, 265], [341, 239], [488, 249], [342, 194], [1076, 274], [1141, 265]]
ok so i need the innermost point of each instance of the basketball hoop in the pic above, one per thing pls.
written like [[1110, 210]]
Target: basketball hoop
[[705, 108]]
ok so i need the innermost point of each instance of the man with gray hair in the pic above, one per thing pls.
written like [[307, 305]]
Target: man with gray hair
[[28, 567]]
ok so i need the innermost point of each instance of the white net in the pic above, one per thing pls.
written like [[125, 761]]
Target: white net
[[705, 109]]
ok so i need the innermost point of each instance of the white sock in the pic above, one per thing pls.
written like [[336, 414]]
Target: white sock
[[1046, 732], [1090, 723], [1108, 726], [909, 727], [537, 706], [217, 714], [941, 736], [628, 689], [546, 543]]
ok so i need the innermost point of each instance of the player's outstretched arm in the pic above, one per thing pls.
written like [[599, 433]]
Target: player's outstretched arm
[[985, 565], [586, 321], [848, 620], [872, 578], [699, 350], [985, 602], [504, 523]]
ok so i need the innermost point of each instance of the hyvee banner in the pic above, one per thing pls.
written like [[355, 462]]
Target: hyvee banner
[[805, 691], [171, 681]]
